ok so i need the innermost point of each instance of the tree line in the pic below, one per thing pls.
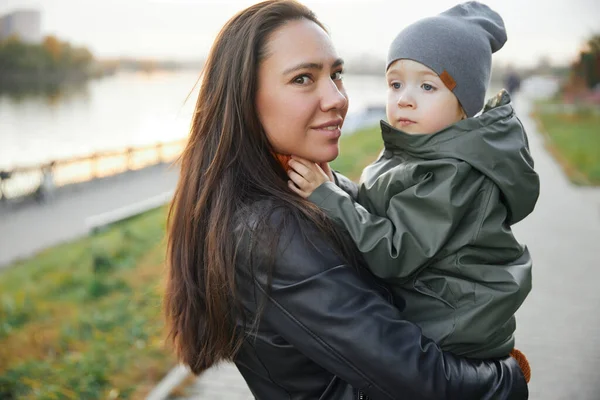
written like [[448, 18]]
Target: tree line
[[50, 57]]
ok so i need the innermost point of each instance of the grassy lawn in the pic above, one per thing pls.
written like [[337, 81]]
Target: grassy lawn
[[83, 320], [357, 151], [574, 140]]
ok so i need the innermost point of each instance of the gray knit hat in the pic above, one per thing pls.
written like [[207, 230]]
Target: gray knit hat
[[458, 45]]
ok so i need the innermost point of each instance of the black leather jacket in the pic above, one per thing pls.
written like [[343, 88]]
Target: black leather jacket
[[330, 331]]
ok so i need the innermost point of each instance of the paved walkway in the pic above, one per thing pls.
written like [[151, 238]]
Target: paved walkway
[[559, 324], [222, 382]]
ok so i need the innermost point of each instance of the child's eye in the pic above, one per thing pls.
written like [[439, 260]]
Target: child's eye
[[427, 87], [302, 79], [395, 85]]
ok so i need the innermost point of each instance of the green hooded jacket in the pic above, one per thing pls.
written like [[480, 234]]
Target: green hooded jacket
[[432, 216]]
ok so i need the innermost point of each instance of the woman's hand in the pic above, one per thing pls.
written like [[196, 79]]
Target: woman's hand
[[306, 176]]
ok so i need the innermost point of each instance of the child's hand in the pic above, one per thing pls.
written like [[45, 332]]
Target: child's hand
[[305, 176], [325, 167]]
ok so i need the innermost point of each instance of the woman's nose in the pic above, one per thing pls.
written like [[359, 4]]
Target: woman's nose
[[334, 97]]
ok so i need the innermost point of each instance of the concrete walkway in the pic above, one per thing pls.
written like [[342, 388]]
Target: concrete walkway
[[559, 324], [222, 382]]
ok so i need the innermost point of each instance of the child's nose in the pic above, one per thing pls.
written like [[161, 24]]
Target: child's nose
[[406, 100]]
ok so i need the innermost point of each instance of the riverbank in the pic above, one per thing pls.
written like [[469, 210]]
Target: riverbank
[[82, 319]]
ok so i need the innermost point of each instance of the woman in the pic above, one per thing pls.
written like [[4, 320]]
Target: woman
[[260, 276]]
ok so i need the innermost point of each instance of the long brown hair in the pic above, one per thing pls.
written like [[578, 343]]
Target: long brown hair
[[227, 164]]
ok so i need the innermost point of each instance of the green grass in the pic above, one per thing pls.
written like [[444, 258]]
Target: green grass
[[83, 320], [357, 151], [574, 140]]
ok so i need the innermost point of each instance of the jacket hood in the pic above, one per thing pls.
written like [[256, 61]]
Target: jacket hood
[[495, 143]]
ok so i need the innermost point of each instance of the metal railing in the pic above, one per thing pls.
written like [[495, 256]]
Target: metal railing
[[98, 222], [41, 180]]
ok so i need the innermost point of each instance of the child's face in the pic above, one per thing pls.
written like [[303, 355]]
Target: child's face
[[418, 101]]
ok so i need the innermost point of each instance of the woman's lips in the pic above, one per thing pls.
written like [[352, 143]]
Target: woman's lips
[[330, 132], [331, 129]]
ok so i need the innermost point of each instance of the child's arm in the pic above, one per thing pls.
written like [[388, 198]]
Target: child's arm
[[418, 222], [346, 185]]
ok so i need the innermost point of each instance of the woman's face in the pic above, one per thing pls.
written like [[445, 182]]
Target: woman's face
[[301, 101]]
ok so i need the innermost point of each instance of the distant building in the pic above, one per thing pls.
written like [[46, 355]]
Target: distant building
[[25, 24]]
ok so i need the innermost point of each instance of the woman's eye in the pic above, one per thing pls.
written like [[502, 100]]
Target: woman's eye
[[302, 79], [427, 87], [337, 75]]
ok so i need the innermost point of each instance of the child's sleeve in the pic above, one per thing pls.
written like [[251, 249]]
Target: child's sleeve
[[346, 184], [419, 219]]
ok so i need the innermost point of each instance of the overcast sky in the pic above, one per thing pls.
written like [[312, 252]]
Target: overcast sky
[[185, 29]]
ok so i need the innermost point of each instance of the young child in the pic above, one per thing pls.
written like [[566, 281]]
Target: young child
[[433, 214]]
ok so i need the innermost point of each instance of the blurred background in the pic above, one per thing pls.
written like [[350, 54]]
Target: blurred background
[[96, 99]]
